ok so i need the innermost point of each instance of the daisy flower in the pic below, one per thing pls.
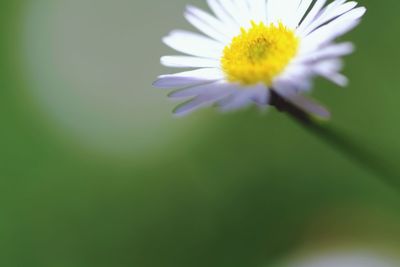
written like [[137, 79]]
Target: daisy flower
[[250, 50]]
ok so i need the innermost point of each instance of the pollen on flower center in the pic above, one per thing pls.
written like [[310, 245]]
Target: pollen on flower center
[[259, 54]]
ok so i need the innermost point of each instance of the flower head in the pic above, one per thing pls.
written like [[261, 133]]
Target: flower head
[[250, 49]]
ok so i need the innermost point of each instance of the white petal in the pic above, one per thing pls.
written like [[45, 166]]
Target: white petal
[[297, 78], [261, 95], [327, 16], [194, 44], [188, 78], [328, 66], [331, 7], [330, 51], [283, 11], [232, 10], [330, 70], [245, 96], [310, 106], [258, 10], [242, 98], [332, 30], [301, 11], [209, 88], [189, 62], [295, 71], [199, 102], [207, 24], [222, 14], [338, 79], [320, 14], [318, 5], [245, 14]]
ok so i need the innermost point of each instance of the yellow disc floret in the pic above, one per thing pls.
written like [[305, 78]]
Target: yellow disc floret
[[259, 54]]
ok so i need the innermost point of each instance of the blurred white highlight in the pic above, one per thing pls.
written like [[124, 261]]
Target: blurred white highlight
[[346, 259], [89, 65]]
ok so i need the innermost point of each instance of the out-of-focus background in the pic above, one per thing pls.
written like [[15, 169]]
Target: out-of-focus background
[[95, 172]]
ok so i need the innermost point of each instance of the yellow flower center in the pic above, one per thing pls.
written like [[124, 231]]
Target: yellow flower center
[[259, 54]]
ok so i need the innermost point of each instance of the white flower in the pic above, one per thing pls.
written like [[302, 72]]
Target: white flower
[[251, 47]]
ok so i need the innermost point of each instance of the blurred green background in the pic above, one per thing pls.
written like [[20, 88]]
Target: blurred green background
[[94, 171]]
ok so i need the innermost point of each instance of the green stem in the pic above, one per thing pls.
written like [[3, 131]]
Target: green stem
[[341, 142]]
